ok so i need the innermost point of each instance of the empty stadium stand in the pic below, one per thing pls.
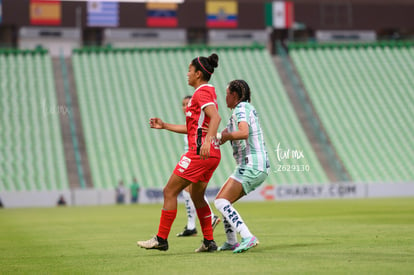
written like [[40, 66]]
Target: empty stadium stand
[[120, 89], [363, 94], [32, 155]]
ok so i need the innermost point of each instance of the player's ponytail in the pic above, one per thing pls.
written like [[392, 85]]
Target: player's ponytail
[[246, 91], [206, 65]]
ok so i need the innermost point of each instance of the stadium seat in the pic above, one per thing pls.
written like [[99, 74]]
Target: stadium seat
[[363, 95], [32, 151]]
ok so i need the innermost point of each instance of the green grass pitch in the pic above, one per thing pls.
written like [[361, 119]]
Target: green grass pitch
[[373, 236]]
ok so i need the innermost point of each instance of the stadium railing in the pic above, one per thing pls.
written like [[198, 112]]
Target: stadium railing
[[72, 123]]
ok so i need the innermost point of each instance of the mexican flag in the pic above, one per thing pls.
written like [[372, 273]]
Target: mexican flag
[[280, 14]]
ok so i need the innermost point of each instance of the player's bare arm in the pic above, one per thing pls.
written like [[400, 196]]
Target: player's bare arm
[[242, 133], [157, 123]]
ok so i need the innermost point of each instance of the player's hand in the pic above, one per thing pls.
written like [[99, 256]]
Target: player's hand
[[224, 134], [204, 128], [156, 123], [205, 150]]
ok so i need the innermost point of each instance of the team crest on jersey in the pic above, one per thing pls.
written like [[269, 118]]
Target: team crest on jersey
[[184, 162]]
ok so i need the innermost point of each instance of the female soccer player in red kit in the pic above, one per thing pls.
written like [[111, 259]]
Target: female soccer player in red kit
[[196, 166]]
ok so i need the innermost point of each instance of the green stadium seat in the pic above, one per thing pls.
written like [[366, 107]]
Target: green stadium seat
[[31, 142], [363, 96]]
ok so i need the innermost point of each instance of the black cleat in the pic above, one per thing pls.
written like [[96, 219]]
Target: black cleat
[[187, 232], [207, 246]]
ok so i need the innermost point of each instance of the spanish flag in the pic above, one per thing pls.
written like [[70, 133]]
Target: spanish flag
[[45, 12], [162, 15], [221, 14]]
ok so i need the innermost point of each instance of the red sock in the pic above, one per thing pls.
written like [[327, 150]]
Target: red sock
[[204, 215], [166, 221]]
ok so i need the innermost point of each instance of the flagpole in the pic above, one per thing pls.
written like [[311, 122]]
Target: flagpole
[[79, 17], [79, 24]]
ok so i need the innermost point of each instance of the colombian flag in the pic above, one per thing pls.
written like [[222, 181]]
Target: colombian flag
[[45, 12], [221, 14], [162, 15]]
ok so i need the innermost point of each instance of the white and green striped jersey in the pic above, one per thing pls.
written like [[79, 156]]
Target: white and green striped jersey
[[250, 152]]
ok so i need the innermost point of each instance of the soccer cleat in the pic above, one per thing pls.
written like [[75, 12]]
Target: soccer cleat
[[207, 246], [216, 221], [154, 243], [227, 246], [246, 244], [187, 232]]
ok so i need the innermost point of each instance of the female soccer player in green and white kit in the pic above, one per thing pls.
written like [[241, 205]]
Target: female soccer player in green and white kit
[[246, 137]]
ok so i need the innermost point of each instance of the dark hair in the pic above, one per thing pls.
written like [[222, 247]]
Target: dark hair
[[187, 97], [206, 65], [241, 88]]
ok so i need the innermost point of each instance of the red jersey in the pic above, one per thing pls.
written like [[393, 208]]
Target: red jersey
[[196, 119]]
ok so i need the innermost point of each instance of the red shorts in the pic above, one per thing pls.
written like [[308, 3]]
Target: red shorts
[[194, 169]]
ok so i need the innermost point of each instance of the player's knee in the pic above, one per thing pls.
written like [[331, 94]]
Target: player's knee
[[168, 193]]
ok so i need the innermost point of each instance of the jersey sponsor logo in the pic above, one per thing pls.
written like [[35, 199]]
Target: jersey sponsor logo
[[188, 113], [184, 162]]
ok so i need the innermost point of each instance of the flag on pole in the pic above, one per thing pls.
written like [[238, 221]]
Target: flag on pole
[[222, 14], [103, 14], [45, 12], [280, 14], [162, 15]]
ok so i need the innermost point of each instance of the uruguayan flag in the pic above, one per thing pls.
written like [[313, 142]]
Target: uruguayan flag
[[103, 14]]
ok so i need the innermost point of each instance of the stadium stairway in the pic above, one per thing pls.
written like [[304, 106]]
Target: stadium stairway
[[70, 158], [319, 145]]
